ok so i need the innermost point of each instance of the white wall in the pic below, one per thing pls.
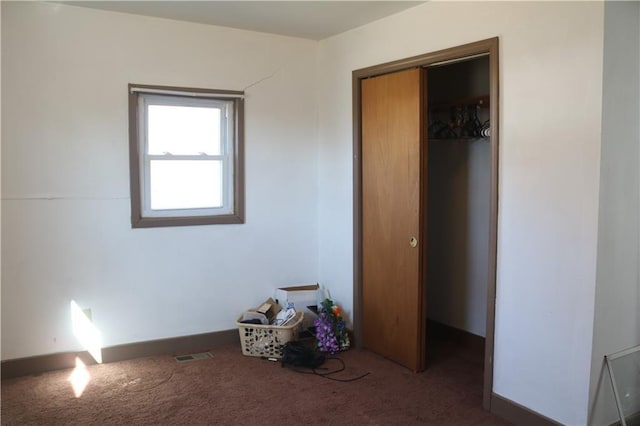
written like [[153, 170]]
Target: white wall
[[617, 308], [66, 230], [458, 233], [551, 83], [0, 173]]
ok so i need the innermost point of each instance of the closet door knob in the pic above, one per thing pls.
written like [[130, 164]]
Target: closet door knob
[[413, 242]]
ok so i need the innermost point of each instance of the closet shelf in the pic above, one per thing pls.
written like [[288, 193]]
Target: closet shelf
[[481, 101]]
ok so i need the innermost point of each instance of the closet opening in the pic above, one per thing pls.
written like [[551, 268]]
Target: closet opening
[[458, 188], [425, 163]]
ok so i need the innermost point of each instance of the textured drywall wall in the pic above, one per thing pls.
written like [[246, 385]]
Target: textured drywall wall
[[550, 111], [66, 232], [617, 304]]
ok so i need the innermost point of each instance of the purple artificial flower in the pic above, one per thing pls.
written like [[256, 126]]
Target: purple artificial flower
[[327, 340]]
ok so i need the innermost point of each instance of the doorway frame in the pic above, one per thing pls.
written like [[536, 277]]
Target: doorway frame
[[489, 46]]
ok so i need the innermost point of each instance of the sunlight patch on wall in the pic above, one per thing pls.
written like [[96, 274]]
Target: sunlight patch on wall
[[79, 378], [86, 333]]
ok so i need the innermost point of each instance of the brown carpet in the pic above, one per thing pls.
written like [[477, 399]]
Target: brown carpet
[[233, 389]]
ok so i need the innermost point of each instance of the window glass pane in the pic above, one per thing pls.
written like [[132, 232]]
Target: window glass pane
[[185, 184], [183, 130]]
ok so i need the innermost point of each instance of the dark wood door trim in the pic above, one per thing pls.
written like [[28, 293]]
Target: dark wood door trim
[[488, 46]]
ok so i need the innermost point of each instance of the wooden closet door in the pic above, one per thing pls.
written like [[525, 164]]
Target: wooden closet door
[[392, 287]]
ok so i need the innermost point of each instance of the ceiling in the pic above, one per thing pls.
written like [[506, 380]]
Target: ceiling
[[314, 20]]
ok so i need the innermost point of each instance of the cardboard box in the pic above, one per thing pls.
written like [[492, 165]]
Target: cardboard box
[[301, 297], [269, 309]]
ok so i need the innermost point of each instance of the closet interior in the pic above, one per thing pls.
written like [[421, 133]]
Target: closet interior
[[458, 208]]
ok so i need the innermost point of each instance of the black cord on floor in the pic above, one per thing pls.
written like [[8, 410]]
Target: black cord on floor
[[327, 375]]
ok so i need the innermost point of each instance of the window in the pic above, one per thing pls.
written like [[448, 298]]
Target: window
[[186, 156]]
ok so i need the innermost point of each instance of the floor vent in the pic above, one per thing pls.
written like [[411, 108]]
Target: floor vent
[[193, 357]]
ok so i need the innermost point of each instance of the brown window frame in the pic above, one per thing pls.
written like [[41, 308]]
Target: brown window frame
[[237, 215]]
